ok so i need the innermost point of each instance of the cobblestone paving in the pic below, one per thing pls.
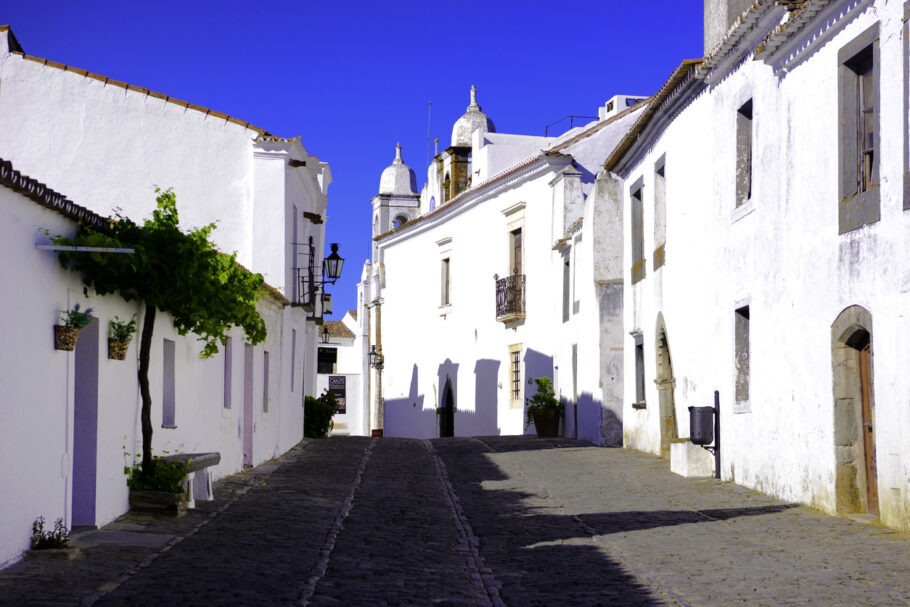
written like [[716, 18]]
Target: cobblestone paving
[[491, 521]]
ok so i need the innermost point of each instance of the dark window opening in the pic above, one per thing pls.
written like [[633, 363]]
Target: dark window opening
[[326, 360]]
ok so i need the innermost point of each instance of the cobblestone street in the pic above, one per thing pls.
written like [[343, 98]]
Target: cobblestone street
[[492, 521]]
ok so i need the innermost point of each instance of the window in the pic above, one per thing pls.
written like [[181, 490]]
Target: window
[[638, 244], [265, 381], [445, 283], [515, 251], [639, 372], [293, 356], [660, 212], [400, 220], [741, 339], [169, 396], [515, 374], [228, 356], [326, 360], [744, 154], [858, 78], [566, 278]]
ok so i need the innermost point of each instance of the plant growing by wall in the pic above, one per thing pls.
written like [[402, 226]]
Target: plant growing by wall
[[181, 273], [43, 539], [317, 414]]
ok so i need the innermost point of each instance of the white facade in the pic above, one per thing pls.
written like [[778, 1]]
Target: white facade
[[766, 293], [106, 145], [429, 296], [346, 345]]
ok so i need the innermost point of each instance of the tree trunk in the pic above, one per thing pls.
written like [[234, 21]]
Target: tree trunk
[[145, 348]]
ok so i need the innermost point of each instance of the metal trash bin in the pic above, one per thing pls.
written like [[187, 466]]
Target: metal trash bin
[[701, 425]]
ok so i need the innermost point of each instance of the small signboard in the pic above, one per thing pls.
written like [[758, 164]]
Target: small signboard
[[337, 384]]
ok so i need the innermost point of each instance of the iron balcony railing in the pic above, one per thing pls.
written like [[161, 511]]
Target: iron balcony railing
[[510, 298]]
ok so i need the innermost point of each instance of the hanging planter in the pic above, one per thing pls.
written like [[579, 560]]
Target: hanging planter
[[116, 348], [74, 320], [65, 337], [119, 341]]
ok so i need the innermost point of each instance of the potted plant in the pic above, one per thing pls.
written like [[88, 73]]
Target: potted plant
[[544, 409], [52, 544], [74, 320], [120, 337], [160, 491]]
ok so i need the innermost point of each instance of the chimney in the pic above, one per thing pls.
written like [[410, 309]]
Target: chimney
[[720, 15]]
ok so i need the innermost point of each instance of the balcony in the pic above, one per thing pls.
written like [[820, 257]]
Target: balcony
[[510, 298]]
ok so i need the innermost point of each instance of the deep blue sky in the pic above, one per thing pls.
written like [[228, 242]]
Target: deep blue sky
[[354, 78]]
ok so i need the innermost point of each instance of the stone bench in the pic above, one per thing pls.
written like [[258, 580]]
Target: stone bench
[[197, 463]]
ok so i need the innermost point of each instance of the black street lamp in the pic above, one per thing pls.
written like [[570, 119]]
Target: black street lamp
[[325, 334], [331, 265]]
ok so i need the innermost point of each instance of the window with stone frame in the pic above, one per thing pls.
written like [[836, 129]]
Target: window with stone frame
[[744, 153], [660, 212], [858, 153], [638, 232], [515, 387], [742, 356], [445, 282], [639, 372]]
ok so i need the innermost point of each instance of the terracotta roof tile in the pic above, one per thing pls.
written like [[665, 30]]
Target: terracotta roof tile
[[338, 330]]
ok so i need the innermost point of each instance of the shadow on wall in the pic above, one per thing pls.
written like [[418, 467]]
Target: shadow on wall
[[406, 417], [413, 417], [537, 365], [590, 413], [484, 420]]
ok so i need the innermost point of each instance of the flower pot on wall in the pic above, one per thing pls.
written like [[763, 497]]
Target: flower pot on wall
[[65, 337], [546, 423], [116, 348]]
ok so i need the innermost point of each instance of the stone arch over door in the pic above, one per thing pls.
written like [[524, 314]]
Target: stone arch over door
[[666, 383], [856, 488]]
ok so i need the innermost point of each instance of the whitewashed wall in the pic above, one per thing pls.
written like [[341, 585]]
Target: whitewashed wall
[[37, 438], [781, 255], [108, 146], [425, 342]]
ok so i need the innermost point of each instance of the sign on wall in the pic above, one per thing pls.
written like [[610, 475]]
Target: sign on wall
[[337, 387]]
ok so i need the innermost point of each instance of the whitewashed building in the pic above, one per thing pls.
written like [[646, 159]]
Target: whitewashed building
[[501, 270], [71, 420], [340, 368], [108, 143], [765, 204]]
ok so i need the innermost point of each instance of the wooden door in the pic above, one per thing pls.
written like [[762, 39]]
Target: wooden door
[[865, 378]]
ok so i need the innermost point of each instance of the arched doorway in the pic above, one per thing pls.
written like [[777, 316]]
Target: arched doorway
[[856, 482], [665, 385], [447, 411]]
